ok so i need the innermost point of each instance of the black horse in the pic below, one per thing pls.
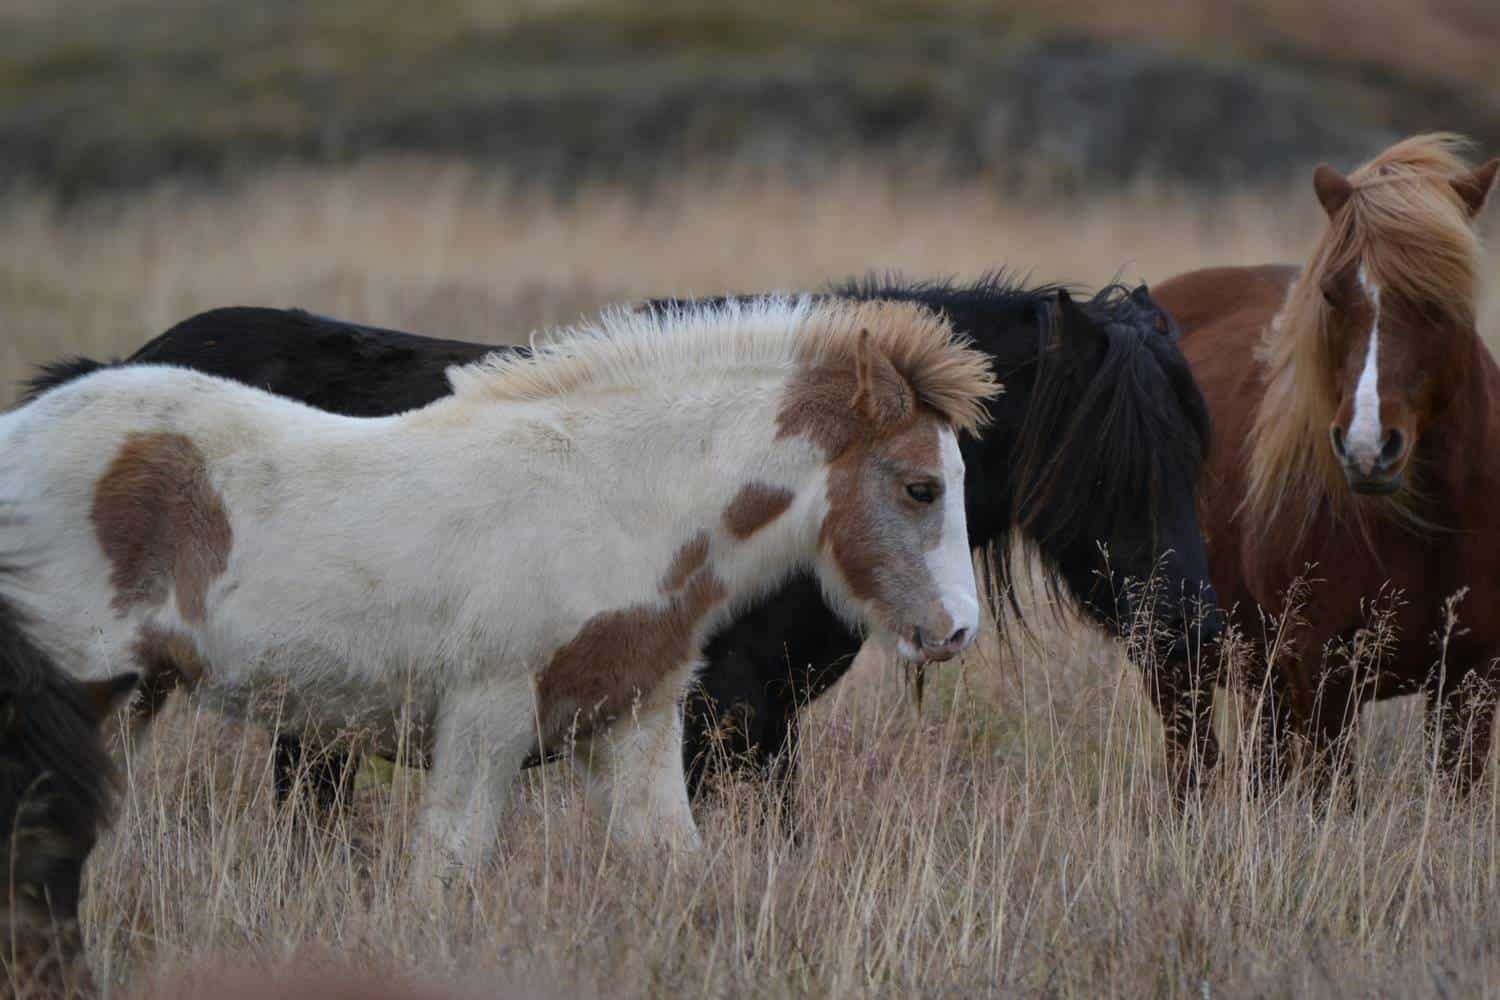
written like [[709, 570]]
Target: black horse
[[1090, 463], [55, 784]]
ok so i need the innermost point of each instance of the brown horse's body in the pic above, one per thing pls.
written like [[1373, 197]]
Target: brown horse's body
[[1377, 567], [1346, 575]]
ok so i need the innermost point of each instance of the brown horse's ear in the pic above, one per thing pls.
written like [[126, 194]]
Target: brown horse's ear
[[1333, 189], [103, 697], [1475, 188], [881, 394]]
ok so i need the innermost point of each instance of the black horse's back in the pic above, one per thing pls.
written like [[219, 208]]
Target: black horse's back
[[348, 368], [338, 366]]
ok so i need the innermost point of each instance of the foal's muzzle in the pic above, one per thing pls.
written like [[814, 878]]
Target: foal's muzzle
[[936, 649]]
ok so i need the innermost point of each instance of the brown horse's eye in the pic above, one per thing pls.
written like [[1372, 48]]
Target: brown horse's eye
[[923, 492]]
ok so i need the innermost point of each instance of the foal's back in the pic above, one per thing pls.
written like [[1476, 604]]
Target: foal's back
[[188, 518]]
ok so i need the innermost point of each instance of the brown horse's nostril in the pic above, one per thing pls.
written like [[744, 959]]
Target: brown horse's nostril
[[1391, 448], [1336, 434], [957, 638]]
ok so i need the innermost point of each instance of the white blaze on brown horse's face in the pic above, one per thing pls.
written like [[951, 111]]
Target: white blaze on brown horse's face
[[1392, 353], [1384, 385], [895, 533]]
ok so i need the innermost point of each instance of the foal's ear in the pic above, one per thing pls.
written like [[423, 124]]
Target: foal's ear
[[1475, 188], [103, 697], [881, 393], [1082, 340], [1332, 187]]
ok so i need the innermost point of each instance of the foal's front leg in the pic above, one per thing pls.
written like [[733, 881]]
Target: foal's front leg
[[483, 735], [635, 773]]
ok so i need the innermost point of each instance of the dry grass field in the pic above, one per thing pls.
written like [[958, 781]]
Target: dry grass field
[[1013, 838]]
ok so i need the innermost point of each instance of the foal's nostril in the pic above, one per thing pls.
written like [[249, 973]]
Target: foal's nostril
[[1336, 434], [957, 638], [1391, 448]]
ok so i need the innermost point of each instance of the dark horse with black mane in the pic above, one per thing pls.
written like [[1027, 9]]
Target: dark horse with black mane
[[1091, 462]]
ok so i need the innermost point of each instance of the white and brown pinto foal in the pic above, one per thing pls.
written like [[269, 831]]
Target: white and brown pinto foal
[[548, 546]]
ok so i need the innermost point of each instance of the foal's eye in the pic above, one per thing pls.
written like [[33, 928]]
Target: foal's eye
[[923, 492]]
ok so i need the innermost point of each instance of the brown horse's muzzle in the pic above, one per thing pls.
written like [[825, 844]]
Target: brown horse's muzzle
[[1373, 473]]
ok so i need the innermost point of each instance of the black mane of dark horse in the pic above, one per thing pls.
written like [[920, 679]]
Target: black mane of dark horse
[[1095, 446]]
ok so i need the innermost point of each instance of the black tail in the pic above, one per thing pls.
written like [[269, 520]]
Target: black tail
[[56, 779], [56, 373]]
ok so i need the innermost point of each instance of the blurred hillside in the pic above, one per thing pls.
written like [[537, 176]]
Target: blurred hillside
[[97, 94]]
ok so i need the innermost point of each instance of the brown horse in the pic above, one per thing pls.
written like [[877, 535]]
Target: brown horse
[[1349, 499]]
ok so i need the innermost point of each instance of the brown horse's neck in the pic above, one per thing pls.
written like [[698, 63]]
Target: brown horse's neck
[[1456, 455]]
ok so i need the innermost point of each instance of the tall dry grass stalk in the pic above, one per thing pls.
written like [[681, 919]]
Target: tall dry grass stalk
[[1015, 838]]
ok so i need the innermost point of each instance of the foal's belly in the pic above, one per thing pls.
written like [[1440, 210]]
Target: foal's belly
[[392, 715]]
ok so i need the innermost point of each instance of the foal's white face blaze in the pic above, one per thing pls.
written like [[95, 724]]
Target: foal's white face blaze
[[951, 564]]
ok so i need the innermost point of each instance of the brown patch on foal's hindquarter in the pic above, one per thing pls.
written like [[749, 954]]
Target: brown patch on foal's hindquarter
[[620, 656], [161, 524], [755, 506]]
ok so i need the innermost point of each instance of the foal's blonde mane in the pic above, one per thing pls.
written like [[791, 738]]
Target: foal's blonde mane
[[635, 349], [1408, 228]]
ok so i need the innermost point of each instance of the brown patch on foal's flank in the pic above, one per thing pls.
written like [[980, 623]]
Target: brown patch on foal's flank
[[161, 524], [688, 560], [618, 656], [755, 506], [167, 660]]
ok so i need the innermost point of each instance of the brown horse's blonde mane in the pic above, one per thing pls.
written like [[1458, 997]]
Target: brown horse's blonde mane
[[1407, 226], [626, 349]]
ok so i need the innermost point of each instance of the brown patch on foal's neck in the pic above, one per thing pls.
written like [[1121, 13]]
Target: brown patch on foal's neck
[[755, 506], [161, 524], [620, 656]]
